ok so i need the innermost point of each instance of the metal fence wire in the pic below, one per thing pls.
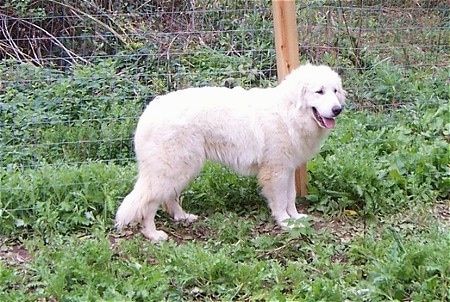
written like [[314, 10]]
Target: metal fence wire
[[75, 75]]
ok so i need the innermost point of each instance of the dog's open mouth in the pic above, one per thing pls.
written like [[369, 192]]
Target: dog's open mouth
[[324, 122]]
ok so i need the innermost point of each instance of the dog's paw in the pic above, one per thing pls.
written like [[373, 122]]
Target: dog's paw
[[298, 216], [155, 236], [186, 217]]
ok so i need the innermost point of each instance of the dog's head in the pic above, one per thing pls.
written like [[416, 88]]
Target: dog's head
[[318, 90]]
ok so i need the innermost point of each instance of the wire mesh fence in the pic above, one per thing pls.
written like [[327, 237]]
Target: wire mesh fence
[[75, 75]]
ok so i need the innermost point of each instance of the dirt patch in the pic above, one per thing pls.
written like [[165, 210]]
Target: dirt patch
[[441, 211], [13, 253]]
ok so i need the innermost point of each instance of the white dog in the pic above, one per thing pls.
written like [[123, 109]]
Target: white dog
[[265, 132]]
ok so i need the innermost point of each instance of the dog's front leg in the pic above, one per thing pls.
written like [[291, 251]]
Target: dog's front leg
[[275, 184], [291, 193]]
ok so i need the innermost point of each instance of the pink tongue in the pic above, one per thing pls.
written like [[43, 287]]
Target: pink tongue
[[329, 122]]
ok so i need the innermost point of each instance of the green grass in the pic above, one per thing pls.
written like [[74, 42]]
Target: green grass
[[65, 176], [66, 171], [355, 247], [400, 258]]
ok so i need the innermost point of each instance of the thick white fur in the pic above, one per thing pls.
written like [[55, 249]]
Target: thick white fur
[[265, 132]]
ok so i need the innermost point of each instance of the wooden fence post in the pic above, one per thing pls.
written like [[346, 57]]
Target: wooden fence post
[[286, 44]]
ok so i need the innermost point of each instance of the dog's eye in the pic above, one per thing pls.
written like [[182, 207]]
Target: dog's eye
[[335, 90], [320, 91]]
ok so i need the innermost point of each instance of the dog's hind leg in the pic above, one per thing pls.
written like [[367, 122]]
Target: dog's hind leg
[[165, 190], [148, 228], [140, 205], [188, 166], [176, 211]]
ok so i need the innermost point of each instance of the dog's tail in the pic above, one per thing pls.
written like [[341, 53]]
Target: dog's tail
[[132, 208]]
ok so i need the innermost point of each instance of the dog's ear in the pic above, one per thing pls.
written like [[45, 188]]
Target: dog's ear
[[300, 101], [341, 95]]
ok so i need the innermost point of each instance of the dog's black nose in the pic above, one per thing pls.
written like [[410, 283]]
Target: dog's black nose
[[336, 110]]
